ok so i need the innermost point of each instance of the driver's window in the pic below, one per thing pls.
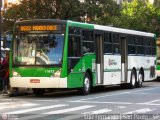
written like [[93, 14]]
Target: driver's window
[[74, 45]]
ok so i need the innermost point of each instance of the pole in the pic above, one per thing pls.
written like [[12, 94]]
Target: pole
[[0, 26]]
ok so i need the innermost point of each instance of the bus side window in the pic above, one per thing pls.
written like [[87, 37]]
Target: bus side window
[[147, 46], [88, 41], [107, 43], [131, 45], [74, 47], [116, 44], [139, 45]]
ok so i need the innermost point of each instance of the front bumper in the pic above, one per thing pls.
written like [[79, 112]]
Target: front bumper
[[38, 82]]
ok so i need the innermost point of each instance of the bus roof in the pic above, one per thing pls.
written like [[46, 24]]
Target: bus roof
[[125, 31], [88, 25], [114, 29]]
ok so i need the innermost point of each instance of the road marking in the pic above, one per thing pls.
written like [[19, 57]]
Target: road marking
[[16, 99], [46, 100], [98, 111], [148, 104], [121, 107], [5, 103], [6, 99], [118, 94], [71, 117], [36, 109], [57, 112], [145, 110], [152, 101], [10, 105], [102, 102]]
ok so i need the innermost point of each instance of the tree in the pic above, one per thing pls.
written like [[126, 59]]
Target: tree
[[44, 9], [139, 15], [102, 11], [111, 11]]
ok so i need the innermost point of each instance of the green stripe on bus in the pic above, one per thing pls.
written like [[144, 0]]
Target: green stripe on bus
[[65, 55], [82, 25], [158, 67]]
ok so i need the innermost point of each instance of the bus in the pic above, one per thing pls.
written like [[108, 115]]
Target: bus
[[63, 54]]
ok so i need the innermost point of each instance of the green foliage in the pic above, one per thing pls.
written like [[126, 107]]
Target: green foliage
[[138, 15], [43, 9]]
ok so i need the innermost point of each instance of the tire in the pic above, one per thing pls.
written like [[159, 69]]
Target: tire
[[13, 92], [133, 80], [38, 91], [158, 78], [140, 79], [124, 86], [85, 90]]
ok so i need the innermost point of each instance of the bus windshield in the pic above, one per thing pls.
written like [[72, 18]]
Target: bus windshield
[[38, 49]]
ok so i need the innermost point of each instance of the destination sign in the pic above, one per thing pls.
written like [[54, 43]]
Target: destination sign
[[38, 28]]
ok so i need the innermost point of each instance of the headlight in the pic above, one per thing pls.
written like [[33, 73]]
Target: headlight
[[57, 73], [15, 74]]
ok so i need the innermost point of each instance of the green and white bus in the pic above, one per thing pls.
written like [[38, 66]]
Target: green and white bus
[[63, 54]]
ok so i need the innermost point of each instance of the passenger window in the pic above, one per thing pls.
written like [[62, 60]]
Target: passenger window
[[87, 41]]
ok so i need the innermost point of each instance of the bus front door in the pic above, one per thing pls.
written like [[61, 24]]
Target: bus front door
[[124, 59], [99, 57]]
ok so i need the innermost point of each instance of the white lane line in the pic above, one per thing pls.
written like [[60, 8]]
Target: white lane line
[[19, 100], [152, 101], [57, 112], [36, 109], [145, 110], [128, 103], [5, 103], [98, 111], [150, 104], [117, 94], [13, 105], [6, 99], [121, 107], [83, 115], [72, 117], [46, 100]]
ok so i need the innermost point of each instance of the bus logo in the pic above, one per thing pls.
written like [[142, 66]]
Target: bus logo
[[34, 80], [112, 62]]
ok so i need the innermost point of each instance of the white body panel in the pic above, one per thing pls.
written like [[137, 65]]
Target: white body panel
[[144, 62], [158, 73], [112, 69], [98, 74], [114, 74], [44, 82]]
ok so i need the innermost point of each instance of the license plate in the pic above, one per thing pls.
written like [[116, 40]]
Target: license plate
[[34, 81]]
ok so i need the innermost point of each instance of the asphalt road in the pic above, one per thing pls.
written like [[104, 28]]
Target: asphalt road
[[109, 103]]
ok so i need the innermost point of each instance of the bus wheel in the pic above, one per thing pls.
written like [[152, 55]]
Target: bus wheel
[[132, 83], [38, 91], [140, 79], [86, 85], [13, 92]]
